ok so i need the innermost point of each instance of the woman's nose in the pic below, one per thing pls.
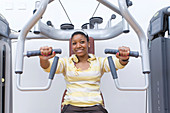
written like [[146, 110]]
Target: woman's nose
[[78, 45]]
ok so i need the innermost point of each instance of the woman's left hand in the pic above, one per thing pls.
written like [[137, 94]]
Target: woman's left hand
[[123, 55]]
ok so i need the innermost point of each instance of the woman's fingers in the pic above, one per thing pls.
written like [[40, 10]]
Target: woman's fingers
[[123, 53], [46, 52]]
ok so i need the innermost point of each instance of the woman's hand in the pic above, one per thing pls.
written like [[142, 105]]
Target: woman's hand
[[123, 55], [46, 53]]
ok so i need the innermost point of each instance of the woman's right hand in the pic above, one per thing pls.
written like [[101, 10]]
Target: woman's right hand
[[46, 53]]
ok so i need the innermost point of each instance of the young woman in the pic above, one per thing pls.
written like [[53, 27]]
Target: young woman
[[82, 72]]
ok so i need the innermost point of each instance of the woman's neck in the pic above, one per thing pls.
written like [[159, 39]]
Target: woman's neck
[[83, 58]]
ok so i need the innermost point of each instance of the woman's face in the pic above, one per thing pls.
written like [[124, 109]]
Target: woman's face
[[80, 45]]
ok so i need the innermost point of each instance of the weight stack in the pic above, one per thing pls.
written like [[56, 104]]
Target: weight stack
[[160, 75]]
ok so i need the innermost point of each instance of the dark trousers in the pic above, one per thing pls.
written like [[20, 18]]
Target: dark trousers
[[75, 109]]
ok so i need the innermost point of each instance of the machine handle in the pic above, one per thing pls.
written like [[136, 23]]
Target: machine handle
[[53, 67], [115, 77], [42, 88], [114, 51], [112, 67], [38, 52]]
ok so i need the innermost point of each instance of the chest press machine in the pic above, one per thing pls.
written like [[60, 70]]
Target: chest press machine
[[97, 34], [43, 31]]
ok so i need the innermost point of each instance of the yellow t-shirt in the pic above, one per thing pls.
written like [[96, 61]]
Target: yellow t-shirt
[[83, 86]]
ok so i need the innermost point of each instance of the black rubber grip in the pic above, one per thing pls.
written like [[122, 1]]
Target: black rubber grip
[[38, 52], [53, 67], [112, 67], [114, 51]]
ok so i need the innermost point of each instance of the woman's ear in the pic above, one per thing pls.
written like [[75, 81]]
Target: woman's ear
[[88, 44]]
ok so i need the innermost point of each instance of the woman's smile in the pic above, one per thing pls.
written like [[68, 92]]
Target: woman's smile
[[79, 50]]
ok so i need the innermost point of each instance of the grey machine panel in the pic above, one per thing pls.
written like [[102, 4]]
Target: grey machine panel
[[160, 75], [4, 27], [160, 61]]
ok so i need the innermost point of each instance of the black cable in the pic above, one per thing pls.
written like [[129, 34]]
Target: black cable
[[65, 11], [96, 9], [13, 30]]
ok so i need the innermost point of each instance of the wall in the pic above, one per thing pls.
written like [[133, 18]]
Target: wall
[[18, 12]]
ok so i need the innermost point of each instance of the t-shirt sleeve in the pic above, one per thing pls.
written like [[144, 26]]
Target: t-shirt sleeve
[[60, 66], [105, 64]]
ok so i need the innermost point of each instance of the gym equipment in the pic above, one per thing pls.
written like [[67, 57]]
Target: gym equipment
[[97, 34], [114, 73], [114, 51], [159, 47], [67, 26], [43, 31], [51, 75], [5, 68], [94, 21]]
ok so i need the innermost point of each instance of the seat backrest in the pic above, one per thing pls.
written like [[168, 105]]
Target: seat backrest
[[90, 49]]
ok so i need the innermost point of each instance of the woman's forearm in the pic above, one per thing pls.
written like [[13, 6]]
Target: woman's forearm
[[125, 62], [44, 63]]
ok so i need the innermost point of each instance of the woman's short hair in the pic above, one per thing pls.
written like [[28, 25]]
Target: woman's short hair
[[82, 33]]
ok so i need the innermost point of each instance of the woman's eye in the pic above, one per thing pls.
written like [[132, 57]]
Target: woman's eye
[[74, 43], [82, 42]]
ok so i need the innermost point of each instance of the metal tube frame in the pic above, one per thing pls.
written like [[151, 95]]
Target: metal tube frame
[[20, 46], [8, 77], [143, 47], [133, 88], [99, 34], [43, 88]]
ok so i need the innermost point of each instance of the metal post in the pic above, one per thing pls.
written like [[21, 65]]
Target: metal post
[[6, 106]]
